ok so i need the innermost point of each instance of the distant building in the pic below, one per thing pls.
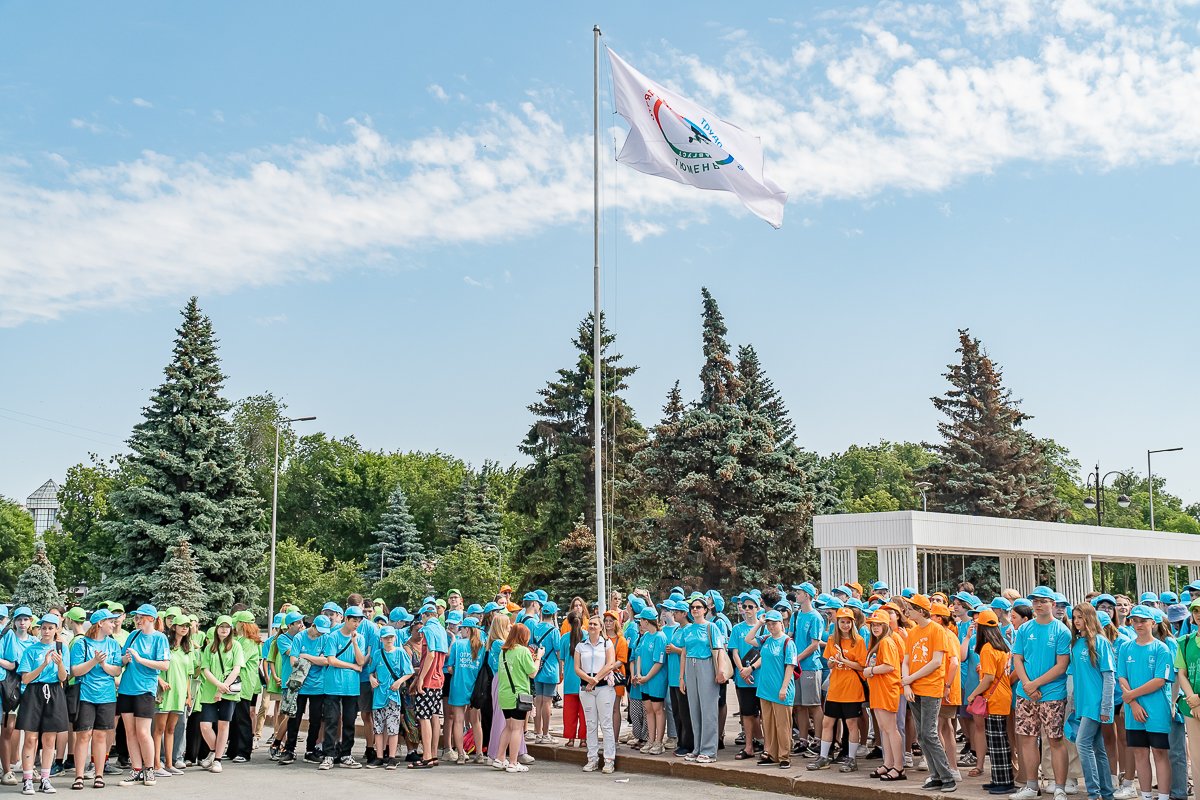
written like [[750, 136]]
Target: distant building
[[43, 506]]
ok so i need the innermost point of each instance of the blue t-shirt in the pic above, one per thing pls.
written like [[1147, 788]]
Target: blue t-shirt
[[96, 685], [304, 644], [776, 656], [1040, 646], [1088, 678], [494, 656], [548, 637], [674, 636], [11, 648], [436, 638], [283, 643], [737, 641], [465, 670], [566, 655], [1139, 664], [700, 639], [970, 675], [340, 681], [369, 632], [651, 650], [139, 679], [400, 664], [808, 627], [33, 657]]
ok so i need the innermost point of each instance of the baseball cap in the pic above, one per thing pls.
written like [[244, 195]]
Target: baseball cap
[[277, 620], [907, 592], [1043, 593], [454, 618], [491, 606], [22, 611], [647, 613], [879, 586], [879, 618], [50, 619], [180, 619], [807, 588], [292, 618], [855, 586], [549, 609], [243, 616], [146, 610], [224, 619], [354, 611], [505, 588], [1104, 598], [115, 607], [75, 614], [1168, 598], [541, 595], [773, 616], [454, 592], [1022, 602], [387, 632], [844, 613], [475, 608], [101, 614], [834, 603], [470, 622], [988, 618], [1144, 612], [1195, 603], [921, 601], [842, 590], [1001, 604], [1148, 597], [428, 608], [1104, 618], [941, 609], [322, 623], [331, 606]]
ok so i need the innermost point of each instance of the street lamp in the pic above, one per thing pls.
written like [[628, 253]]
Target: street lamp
[[924, 486], [275, 512], [1095, 481], [499, 559], [1150, 477]]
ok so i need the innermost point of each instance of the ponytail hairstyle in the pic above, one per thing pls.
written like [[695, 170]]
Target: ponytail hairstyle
[[475, 640], [576, 623], [1083, 612], [1162, 630]]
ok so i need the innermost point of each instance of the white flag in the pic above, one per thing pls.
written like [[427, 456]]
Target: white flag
[[672, 137]]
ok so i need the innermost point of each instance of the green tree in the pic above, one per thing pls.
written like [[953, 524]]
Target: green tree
[[397, 540], [430, 482], [36, 587], [759, 394], [189, 482], [16, 543], [307, 579], [404, 586], [177, 583], [987, 463], [576, 564], [82, 547], [558, 487], [879, 477], [468, 568], [474, 514], [254, 421]]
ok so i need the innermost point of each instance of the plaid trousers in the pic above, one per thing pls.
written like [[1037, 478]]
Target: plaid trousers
[[998, 750]]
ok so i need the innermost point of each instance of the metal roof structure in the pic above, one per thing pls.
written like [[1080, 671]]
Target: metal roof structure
[[46, 496]]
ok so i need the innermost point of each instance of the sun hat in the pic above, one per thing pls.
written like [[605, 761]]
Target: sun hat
[[987, 618], [773, 616], [647, 613], [224, 619], [387, 632], [1176, 613]]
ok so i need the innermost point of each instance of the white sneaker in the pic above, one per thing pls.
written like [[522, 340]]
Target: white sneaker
[[922, 766], [207, 761], [480, 758], [670, 743], [216, 767], [8, 779], [908, 761], [608, 768], [1060, 794], [1126, 793], [516, 768], [47, 787], [1071, 786], [591, 766], [1024, 793], [956, 775], [451, 755], [500, 765], [524, 759]]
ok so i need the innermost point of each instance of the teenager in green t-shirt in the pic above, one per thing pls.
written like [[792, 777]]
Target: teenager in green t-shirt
[[221, 663], [175, 689]]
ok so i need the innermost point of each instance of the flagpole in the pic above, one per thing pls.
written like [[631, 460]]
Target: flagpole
[[601, 591]]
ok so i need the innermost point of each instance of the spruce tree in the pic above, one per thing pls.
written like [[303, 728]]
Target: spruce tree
[[558, 487], [576, 564], [397, 540], [737, 505], [177, 582], [474, 514], [759, 394], [987, 463], [189, 481], [36, 587]]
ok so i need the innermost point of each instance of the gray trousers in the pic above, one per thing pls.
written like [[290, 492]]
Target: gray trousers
[[924, 711], [671, 733], [700, 679], [1179, 759]]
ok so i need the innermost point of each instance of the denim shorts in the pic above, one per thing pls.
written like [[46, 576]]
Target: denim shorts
[[544, 689]]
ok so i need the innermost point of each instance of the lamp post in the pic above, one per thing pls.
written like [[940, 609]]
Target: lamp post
[[924, 486], [1096, 481], [499, 559], [1150, 477], [275, 511]]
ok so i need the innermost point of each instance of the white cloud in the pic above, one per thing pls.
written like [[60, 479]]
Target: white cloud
[[218, 116], [142, 103], [892, 97], [273, 319], [469, 281], [438, 92]]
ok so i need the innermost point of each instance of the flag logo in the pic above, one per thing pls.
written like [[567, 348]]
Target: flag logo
[[698, 135]]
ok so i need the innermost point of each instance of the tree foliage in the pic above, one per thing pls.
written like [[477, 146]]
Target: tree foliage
[[37, 587], [576, 564], [177, 583], [468, 568], [16, 543], [306, 578], [404, 586], [397, 541], [255, 419]]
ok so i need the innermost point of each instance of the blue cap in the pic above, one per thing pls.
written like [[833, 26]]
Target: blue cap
[[1042, 592], [549, 609], [331, 606], [353, 611], [1105, 619], [854, 602], [879, 586], [491, 606], [678, 596], [52, 619], [1148, 597], [1194, 586], [677, 590], [647, 613], [835, 603], [292, 617], [1159, 616], [966, 598], [277, 621], [1145, 612], [807, 588], [1000, 604], [718, 601], [681, 605], [1022, 602], [1167, 598], [101, 614], [1061, 598], [843, 589], [782, 606], [541, 595], [387, 631], [146, 610], [907, 592], [470, 622], [3, 611], [1185, 597], [637, 604], [454, 618], [531, 597], [475, 608], [1104, 598], [428, 599], [773, 616], [751, 598], [322, 623], [429, 608]]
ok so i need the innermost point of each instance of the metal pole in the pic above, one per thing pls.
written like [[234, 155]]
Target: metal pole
[[596, 386], [1099, 508], [274, 514], [1150, 481], [382, 557]]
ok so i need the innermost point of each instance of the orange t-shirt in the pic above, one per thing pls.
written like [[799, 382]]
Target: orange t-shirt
[[923, 642], [952, 661], [845, 684], [885, 689], [999, 694], [622, 653]]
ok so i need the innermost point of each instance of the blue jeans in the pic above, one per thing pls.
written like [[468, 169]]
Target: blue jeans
[[1179, 760], [1093, 759]]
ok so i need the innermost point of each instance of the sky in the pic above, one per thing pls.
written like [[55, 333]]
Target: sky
[[386, 210]]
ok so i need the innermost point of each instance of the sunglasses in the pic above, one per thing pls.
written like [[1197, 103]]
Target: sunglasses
[[700, 606]]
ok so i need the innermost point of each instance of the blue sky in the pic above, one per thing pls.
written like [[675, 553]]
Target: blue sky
[[387, 213]]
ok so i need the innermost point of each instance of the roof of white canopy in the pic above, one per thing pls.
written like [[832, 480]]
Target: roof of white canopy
[[962, 533]]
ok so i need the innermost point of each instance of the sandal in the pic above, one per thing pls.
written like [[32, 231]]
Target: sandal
[[893, 774], [98, 783], [420, 765], [878, 772], [743, 755], [77, 785], [975, 772]]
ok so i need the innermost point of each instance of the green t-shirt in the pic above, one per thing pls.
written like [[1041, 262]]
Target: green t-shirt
[[252, 655], [520, 665], [219, 663], [179, 672]]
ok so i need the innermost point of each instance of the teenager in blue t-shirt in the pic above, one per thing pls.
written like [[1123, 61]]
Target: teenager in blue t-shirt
[[345, 657], [146, 655], [649, 675], [545, 637], [776, 690], [390, 668], [1145, 674], [1041, 654], [740, 648], [43, 714], [465, 659], [308, 646], [681, 714], [96, 664], [807, 629], [1093, 672]]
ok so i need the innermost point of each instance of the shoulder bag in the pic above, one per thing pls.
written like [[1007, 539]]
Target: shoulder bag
[[722, 666], [524, 701], [481, 692], [71, 689]]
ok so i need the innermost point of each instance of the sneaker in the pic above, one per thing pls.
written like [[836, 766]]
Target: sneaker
[[326, 763], [462, 759], [670, 743], [922, 766], [27, 786], [47, 787], [932, 783], [109, 769], [1071, 786], [240, 759], [286, 757], [56, 769], [591, 766], [311, 758], [216, 766], [8, 779], [480, 758], [1025, 793], [162, 773], [500, 765], [608, 768], [525, 759], [821, 763], [89, 771], [1060, 794], [348, 762], [208, 760], [374, 763], [908, 761], [851, 765], [703, 759], [174, 771], [967, 760], [452, 754], [134, 779], [1125, 793], [949, 786], [656, 749], [274, 753], [516, 768], [1007, 789], [389, 762], [691, 757], [148, 778]]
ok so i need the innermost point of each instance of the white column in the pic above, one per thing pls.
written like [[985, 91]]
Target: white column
[[898, 567], [1152, 576], [1073, 576], [1193, 573], [1017, 572], [839, 565]]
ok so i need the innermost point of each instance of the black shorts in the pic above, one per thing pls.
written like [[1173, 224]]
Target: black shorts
[[512, 713], [747, 700], [141, 706], [220, 711], [428, 703], [722, 690], [96, 716], [1158, 741], [649, 698], [838, 710], [366, 696], [43, 709]]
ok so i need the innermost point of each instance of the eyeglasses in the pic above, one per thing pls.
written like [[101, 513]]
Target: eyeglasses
[[699, 606]]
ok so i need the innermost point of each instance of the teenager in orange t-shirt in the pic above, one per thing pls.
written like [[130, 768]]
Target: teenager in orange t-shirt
[[923, 678], [996, 688], [883, 678], [943, 617], [846, 654]]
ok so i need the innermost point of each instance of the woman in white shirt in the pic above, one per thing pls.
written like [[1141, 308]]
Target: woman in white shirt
[[595, 660]]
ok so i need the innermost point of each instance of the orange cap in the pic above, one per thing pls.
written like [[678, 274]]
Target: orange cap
[[856, 586], [921, 601], [987, 617], [940, 609], [513, 608], [844, 613], [879, 618], [506, 588]]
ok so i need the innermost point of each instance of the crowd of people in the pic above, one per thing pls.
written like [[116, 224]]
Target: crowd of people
[[1097, 696]]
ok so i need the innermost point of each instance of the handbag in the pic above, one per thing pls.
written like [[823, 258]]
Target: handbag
[[978, 706], [524, 701], [236, 686], [722, 666]]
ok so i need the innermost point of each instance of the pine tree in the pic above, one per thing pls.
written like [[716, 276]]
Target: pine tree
[[759, 394], [987, 463], [177, 582], [397, 540], [558, 487], [189, 481], [576, 575], [486, 524], [737, 505], [36, 587]]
